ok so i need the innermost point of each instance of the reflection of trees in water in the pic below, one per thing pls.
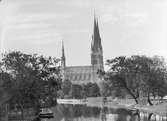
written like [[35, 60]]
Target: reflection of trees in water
[[153, 117], [136, 117], [103, 113], [125, 115], [149, 117], [117, 114], [82, 112], [145, 117], [75, 111]]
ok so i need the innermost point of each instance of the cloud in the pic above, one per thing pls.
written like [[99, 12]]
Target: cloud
[[125, 22], [45, 40], [132, 13], [24, 26], [37, 17], [106, 18], [5, 12], [34, 36], [136, 19], [131, 19], [34, 28]]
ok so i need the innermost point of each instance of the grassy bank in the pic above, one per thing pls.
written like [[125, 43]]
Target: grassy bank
[[130, 104], [125, 103], [156, 109]]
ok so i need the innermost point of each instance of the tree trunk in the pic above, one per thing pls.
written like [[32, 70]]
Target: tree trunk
[[149, 101], [138, 115], [149, 117], [137, 102], [134, 97], [22, 111]]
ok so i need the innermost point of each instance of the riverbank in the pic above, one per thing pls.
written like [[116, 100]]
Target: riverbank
[[160, 109], [156, 109]]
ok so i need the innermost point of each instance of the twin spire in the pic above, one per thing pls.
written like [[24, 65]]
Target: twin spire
[[96, 39], [63, 54], [63, 58]]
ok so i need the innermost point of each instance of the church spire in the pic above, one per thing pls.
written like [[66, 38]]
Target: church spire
[[96, 39], [97, 31], [63, 58], [96, 47], [63, 63]]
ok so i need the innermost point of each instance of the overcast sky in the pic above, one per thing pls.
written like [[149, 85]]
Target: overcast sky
[[127, 27]]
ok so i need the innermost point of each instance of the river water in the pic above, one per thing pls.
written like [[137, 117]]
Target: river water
[[84, 113]]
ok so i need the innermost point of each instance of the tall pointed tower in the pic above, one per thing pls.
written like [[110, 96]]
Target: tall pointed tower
[[96, 51], [63, 62], [96, 47]]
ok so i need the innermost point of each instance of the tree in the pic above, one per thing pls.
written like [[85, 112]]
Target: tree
[[155, 78], [29, 74], [105, 89], [66, 87], [138, 75], [76, 91], [5, 77], [91, 90], [122, 73], [94, 90]]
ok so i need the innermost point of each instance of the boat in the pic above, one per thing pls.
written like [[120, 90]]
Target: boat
[[46, 113]]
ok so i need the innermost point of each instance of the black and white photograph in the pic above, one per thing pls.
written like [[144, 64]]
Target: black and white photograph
[[83, 60]]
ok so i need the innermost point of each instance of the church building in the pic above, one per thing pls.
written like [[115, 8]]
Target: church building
[[86, 74]]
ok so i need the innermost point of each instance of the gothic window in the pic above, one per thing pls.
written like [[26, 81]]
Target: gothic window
[[94, 61], [80, 77], [84, 76], [75, 77], [70, 77], [67, 77], [87, 77]]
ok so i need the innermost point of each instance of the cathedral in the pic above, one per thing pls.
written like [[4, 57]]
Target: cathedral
[[86, 74]]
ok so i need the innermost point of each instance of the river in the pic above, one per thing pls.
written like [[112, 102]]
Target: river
[[65, 112]]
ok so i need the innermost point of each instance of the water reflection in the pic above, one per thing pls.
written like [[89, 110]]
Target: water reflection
[[84, 113]]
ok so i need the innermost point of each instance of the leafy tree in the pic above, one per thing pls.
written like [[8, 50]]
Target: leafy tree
[[91, 90], [105, 88], [138, 75], [94, 90], [29, 74], [158, 78], [5, 77], [155, 78], [122, 73], [76, 91], [66, 87]]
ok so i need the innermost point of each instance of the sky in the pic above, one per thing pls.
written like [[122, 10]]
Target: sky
[[127, 27]]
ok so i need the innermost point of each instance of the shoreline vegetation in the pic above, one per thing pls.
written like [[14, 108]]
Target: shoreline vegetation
[[31, 80], [160, 109]]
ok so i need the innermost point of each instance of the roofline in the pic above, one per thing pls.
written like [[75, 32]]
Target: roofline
[[79, 66]]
